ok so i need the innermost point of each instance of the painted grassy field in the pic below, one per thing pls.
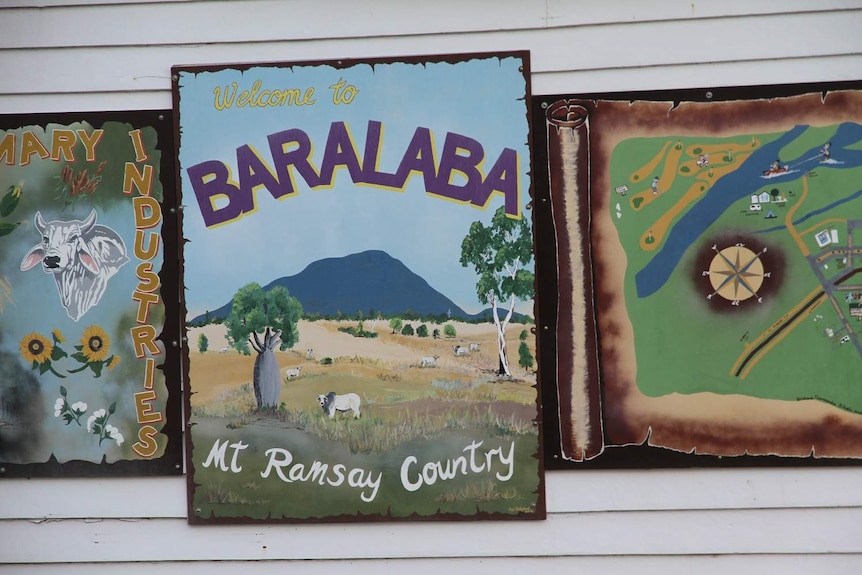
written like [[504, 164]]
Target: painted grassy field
[[454, 438]]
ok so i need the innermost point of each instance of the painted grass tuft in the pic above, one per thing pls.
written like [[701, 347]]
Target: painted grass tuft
[[484, 490]]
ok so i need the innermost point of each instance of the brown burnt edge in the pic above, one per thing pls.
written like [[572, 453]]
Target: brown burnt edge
[[171, 461], [540, 511], [640, 440]]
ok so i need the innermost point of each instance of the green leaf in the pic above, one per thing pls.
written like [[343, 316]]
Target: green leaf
[[43, 367], [8, 227], [96, 366]]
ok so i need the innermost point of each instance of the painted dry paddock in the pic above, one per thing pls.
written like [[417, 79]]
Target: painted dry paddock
[[382, 369]]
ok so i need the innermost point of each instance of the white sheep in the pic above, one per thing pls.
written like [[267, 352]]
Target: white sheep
[[428, 361], [474, 347], [460, 350], [292, 373]]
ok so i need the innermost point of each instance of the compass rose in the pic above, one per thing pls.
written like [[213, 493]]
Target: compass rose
[[736, 273]]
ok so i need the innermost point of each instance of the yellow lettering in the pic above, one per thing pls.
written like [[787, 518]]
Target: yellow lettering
[[132, 177], [149, 280], [138, 143], [152, 247], [148, 213], [63, 141], [90, 141], [149, 373], [144, 409], [7, 149], [146, 445], [243, 99], [30, 145], [145, 300], [144, 340]]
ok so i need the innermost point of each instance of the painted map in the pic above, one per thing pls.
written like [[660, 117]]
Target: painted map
[[726, 244]]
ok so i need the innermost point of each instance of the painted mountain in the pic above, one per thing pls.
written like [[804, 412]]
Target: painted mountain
[[361, 282]]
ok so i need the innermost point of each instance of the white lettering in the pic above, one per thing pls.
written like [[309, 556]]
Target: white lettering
[[433, 471], [320, 473], [219, 451]]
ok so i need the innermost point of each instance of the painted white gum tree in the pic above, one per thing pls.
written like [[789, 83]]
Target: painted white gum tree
[[500, 253]]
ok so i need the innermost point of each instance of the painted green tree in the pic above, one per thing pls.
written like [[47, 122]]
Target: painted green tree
[[525, 358], [500, 254], [253, 310], [203, 343]]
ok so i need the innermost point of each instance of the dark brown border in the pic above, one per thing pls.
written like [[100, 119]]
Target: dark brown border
[[171, 462], [541, 509], [556, 417]]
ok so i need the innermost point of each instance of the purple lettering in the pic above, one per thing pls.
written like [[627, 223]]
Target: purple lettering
[[210, 179], [451, 161], [339, 152], [254, 172], [502, 178], [419, 157], [298, 158], [370, 175], [221, 200]]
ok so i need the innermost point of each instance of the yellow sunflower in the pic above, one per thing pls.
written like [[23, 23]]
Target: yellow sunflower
[[58, 336], [95, 343], [35, 347], [115, 360]]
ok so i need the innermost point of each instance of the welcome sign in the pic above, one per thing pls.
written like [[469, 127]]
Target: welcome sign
[[89, 337], [360, 290]]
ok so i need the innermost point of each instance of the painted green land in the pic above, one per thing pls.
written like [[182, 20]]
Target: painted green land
[[687, 344]]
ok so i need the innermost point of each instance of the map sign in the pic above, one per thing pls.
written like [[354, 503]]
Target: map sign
[[720, 234], [89, 330], [360, 290]]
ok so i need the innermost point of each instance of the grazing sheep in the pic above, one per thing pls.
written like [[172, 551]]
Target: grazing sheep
[[309, 353], [343, 403], [428, 361], [474, 347], [223, 350], [460, 350], [292, 373]]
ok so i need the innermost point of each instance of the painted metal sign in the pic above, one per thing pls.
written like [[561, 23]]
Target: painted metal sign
[[89, 380], [708, 249], [360, 290]]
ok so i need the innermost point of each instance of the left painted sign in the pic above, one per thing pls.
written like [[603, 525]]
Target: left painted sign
[[89, 358]]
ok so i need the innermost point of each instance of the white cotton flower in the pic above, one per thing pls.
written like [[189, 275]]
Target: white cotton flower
[[79, 406], [58, 407], [90, 421], [112, 432], [99, 413]]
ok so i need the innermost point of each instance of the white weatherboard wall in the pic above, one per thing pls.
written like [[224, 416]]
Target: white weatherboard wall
[[72, 55]]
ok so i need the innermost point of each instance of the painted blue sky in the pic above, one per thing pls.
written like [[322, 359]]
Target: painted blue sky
[[483, 99]]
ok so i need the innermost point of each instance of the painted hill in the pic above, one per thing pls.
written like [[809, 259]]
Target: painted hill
[[362, 282]]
